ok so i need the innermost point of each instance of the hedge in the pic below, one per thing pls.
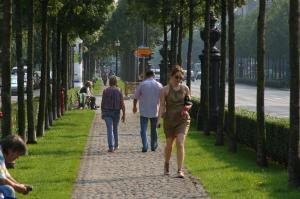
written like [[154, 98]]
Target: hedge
[[277, 132], [72, 100]]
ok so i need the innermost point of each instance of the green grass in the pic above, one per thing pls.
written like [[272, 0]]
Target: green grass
[[121, 85], [52, 165], [97, 87], [226, 175]]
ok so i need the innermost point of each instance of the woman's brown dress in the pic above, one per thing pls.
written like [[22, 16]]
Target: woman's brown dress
[[174, 123]]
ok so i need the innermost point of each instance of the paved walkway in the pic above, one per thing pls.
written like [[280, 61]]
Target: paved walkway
[[128, 173]]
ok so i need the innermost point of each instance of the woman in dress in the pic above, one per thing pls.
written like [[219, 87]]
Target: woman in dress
[[111, 104], [174, 106]]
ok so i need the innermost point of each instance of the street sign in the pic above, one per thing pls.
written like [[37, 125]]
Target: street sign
[[144, 51]]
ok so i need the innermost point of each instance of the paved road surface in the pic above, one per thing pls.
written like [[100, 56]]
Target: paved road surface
[[276, 100]]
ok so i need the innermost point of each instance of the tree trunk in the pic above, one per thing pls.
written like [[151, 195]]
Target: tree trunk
[[220, 124], [6, 125], [54, 71], [71, 67], [64, 57], [58, 66], [171, 55], [180, 34], [204, 104], [190, 44], [49, 95], [43, 89], [30, 109], [231, 79], [294, 161], [261, 156], [175, 41], [21, 104], [164, 70]]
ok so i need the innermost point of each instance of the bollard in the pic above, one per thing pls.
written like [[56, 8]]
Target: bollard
[[62, 100]]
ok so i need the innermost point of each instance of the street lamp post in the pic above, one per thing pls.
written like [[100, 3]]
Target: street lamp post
[[117, 45]]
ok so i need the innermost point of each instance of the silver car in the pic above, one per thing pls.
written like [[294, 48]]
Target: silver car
[[14, 84]]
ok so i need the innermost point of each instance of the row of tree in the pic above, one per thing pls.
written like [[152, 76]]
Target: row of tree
[[246, 26], [50, 27], [177, 17]]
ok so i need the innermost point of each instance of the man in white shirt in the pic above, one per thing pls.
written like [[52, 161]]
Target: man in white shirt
[[147, 93]]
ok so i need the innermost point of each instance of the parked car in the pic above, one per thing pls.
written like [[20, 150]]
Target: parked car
[[198, 76], [193, 78], [14, 84], [156, 74], [14, 71]]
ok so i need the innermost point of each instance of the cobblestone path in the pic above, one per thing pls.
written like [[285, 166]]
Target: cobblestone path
[[128, 173]]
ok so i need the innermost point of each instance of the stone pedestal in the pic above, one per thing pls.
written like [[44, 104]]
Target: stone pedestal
[[214, 71]]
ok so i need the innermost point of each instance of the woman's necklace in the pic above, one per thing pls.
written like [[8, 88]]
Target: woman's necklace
[[176, 89]]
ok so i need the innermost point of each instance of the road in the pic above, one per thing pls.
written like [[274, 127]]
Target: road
[[276, 100], [14, 97]]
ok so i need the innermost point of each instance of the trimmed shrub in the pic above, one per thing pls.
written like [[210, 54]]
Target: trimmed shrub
[[277, 132], [72, 100]]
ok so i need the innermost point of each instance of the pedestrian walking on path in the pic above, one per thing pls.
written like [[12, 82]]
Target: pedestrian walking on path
[[173, 109], [111, 104], [147, 93], [128, 173]]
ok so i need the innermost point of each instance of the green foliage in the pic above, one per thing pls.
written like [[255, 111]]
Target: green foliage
[[72, 100], [72, 97], [277, 132], [97, 87], [118, 28], [52, 165], [121, 85], [276, 30]]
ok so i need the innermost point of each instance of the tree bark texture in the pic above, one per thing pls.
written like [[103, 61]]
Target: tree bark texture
[[166, 57], [231, 79], [190, 43], [294, 159], [261, 156], [43, 89], [54, 70], [220, 124], [205, 71], [6, 125], [58, 66], [180, 33], [21, 101], [64, 56], [30, 48], [49, 61]]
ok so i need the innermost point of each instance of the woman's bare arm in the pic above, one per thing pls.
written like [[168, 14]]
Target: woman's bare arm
[[162, 104]]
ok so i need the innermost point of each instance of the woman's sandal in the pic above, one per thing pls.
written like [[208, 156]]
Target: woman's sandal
[[180, 173], [166, 169]]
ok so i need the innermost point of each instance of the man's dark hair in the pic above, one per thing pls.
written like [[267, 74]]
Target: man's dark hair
[[149, 73], [15, 143]]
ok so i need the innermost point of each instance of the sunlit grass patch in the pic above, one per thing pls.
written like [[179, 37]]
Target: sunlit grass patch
[[226, 175], [52, 165]]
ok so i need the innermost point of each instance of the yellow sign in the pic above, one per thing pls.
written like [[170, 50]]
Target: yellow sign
[[144, 51], [130, 87]]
